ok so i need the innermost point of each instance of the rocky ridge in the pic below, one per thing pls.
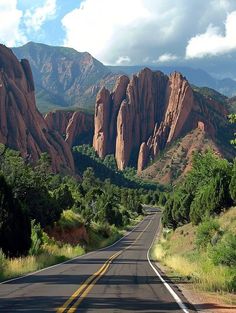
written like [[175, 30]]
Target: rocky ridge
[[22, 127], [145, 114]]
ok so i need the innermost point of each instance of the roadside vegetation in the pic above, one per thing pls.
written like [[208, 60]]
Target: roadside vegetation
[[198, 241], [47, 218], [204, 254]]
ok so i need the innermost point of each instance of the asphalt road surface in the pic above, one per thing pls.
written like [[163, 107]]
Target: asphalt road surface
[[116, 279]]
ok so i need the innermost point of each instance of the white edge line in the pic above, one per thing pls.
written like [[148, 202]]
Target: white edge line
[[75, 258], [168, 287]]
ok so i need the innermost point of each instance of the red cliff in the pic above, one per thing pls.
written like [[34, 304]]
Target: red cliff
[[22, 127]]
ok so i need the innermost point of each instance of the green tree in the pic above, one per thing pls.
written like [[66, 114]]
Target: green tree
[[15, 228]]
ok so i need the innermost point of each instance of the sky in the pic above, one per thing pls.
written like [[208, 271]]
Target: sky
[[197, 33]]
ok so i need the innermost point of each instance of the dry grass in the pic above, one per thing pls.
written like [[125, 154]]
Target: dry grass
[[177, 251], [52, 254]]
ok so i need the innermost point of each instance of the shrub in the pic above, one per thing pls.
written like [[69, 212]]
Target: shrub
[[205, 233], [69, 219], [36, 238], [2, 262], [225, 251]]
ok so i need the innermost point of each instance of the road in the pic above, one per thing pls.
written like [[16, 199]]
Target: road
[[118, 278]]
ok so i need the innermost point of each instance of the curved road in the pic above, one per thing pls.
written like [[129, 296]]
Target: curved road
[[116, 279]]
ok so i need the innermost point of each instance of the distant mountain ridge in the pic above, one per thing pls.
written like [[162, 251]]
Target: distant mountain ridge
[[67, 79], [64, 78]]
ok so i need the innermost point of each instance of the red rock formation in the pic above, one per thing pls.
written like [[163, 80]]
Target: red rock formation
[[22, 127], [101, 125], [58, 120], [148, 113], [142, 156], [75, 127], [79, 129]]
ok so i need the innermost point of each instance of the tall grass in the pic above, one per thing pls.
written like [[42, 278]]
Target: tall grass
[[196, 266], [50, 255]]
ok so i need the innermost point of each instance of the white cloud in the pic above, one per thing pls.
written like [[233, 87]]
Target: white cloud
[[36, 17], [166, 57], [96, 24], [141, 29], [10, 17], [213, 42], [123, 60]]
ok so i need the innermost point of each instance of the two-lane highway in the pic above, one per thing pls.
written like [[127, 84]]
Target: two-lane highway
[[118, 278]]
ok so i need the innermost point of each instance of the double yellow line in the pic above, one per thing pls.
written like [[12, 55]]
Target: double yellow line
[[71, 305], [85, 288]]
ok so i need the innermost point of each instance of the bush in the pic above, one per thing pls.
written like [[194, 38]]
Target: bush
[[224, 252], [36, 238], [205, 233], [2, 262], [69, 219]]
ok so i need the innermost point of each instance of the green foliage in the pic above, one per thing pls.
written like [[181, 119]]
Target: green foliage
[[2, 262], [232, 185], [69, 219], [36, 238], [204, 193], [85, 156], [224, 252], [33, 192], [205, 233]]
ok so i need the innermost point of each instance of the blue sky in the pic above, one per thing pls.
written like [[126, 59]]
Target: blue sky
[[199, 33], [51, 31]]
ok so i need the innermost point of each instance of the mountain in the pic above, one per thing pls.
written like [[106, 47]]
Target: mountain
[[198, 77], [22, 127], [64, 78], [146, 114]]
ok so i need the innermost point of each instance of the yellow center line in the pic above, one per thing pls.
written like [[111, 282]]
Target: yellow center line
[[89, 283]]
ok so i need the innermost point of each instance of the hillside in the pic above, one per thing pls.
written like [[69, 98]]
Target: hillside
[[64, 78], [175, 161], [202, 255]]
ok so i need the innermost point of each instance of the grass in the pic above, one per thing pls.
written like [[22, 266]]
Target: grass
[[51, 254], [177, 250]]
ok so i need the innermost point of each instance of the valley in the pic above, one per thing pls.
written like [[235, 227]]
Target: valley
[[94, 161]]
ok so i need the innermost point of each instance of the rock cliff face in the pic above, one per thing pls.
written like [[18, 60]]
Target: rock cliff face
[[147, 113], [75, 127], [22, 127]]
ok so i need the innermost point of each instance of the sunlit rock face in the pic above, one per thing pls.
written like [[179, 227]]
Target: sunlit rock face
[[146, 113], [22, 127]]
